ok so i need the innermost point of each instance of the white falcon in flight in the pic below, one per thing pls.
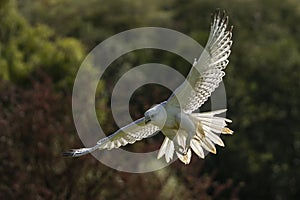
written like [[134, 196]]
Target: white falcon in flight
[[184, 130]]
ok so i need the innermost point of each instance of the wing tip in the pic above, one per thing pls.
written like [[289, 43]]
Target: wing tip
[[77, 152], [219, 13], [69, 153], [220, 17]]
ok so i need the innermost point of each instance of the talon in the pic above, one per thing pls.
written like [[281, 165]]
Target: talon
[[180, 150], [181, 153], [188, 142], [185, 151]]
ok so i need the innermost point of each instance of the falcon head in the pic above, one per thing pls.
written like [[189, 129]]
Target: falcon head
[[156, 115]]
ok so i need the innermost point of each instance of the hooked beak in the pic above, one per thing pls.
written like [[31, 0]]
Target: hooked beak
[[147, 119]]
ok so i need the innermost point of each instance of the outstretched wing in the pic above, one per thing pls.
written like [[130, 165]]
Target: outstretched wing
[[206, 73], [131, 133]]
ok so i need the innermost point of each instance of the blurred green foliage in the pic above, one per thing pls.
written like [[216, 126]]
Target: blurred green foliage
[[93, 20], [41, 46], [25, 48]]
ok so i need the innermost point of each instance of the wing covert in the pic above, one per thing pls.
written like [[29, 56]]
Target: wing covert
[[131, 133]]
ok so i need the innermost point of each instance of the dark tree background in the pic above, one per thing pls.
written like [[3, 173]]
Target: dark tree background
[[42, 44]]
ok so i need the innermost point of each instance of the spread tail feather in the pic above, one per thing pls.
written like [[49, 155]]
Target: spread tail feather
[[167, 149], [211, 123], [208, 128]]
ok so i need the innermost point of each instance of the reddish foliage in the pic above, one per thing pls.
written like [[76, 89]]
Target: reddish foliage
[[36, 126]]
